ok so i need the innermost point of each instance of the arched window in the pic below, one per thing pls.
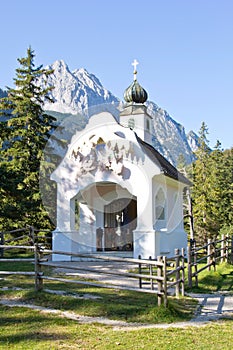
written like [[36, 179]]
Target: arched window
[[160, 205], [77, 214]]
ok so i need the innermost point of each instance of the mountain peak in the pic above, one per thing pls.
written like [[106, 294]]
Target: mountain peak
[[59, 64], [75, 91], [81, 71]]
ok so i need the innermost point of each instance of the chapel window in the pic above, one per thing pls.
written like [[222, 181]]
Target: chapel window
[[77, 215], [131, 123], [160, 205]]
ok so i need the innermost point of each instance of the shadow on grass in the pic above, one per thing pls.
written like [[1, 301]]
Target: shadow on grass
[[215, 281], [32, 335], [112, 303], [19, 325], [118, 305], [227, 281]]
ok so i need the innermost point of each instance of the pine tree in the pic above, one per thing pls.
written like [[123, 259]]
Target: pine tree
[[23, 138], [226, 205], [201, 189], [185, 169], [216, 182]]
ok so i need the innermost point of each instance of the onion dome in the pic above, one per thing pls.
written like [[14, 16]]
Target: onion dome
[[135, 93]]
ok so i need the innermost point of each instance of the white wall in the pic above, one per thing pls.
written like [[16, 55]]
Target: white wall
[[142, 179]]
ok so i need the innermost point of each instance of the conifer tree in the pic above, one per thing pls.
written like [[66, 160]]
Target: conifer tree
[[186, 170], [216, 181], [212, 191], [226, 205], [201, 189], [23, 137]]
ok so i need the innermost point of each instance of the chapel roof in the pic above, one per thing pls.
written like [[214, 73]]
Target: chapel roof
[[165, 166]]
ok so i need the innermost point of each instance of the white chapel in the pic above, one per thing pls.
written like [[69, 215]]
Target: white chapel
[[116, 194]]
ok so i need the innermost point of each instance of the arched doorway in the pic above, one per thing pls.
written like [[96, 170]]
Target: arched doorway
[[120, 219], [104, 217]]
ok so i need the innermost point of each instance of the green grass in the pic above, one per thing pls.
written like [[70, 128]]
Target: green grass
[[17, 266], [215, 281], [24, 329], [18, 253], [129, 306]]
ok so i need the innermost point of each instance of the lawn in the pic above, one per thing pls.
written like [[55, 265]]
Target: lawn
[[215, 281], [23, 328], [29, 329]]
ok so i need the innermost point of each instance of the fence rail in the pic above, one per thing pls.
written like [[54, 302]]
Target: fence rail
[[208, 254], [158, 276], [157, 272]]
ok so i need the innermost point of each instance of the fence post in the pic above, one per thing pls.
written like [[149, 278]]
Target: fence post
[[227, 240], [2, 243], [231, 259], [214, 255], [32, 234], [177, 259], [160, 284], [195, 264], [182, 271], [189, 253], [165, 280], [223, 249], [38, 278], [151, 273], [140, 271], [209, 254]]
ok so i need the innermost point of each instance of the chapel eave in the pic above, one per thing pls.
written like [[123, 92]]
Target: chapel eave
[[165, 166]]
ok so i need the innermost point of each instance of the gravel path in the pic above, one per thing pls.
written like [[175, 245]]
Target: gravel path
[[211, 308]]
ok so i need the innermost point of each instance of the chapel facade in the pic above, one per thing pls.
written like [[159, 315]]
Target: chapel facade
[[116, 194]]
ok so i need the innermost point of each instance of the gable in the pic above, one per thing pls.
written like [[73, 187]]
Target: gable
[[108, 147]]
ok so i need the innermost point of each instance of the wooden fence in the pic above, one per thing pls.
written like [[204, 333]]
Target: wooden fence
[[162, 274], [209, 254]]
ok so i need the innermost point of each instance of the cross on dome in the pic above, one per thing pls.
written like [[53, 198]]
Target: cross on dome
[[134, 64], [135, 93]]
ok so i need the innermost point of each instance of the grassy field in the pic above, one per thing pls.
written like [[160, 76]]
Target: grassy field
[[28, 329], [215, 281], [23, 328]]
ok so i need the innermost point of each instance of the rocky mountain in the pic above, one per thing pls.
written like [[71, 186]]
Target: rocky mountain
[[80, 93], [75, 91], [193, 140], [170, 138]]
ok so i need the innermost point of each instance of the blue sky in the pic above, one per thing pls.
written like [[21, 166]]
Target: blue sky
[[184, 49]]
